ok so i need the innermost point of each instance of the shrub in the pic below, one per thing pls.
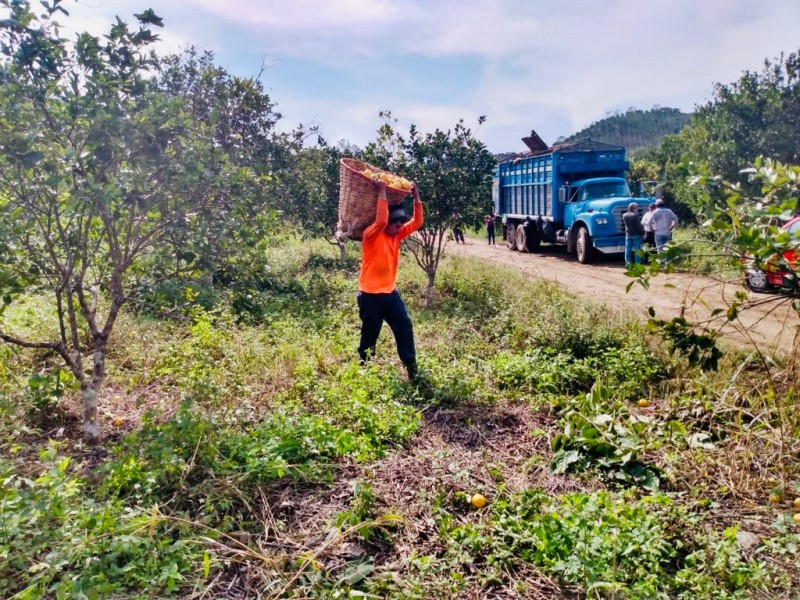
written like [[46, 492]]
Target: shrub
[[55, 541], [608, 544], [629, 370]]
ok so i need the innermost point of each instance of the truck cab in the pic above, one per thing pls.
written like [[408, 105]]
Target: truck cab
[[593, 210]]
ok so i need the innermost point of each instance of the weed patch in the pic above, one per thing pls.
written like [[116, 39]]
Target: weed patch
[[55, 541], [608, 544]]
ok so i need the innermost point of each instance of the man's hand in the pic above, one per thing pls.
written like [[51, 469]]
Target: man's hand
[[380, 187], [415, 192]]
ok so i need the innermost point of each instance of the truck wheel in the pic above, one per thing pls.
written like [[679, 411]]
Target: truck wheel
[[584, 247], [511, 237], [757, 281], [522, 244]]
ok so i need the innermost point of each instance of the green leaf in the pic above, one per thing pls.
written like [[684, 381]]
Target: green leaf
[[563, 460], [356, 571], [602, 419]]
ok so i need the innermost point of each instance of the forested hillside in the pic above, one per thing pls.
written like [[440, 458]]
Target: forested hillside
[[634, 128]]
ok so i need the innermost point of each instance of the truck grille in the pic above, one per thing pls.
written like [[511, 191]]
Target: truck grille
[[617, 213]]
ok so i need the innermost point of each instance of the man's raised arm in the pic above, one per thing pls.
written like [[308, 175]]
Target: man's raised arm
[[381, 212], [417, 219]]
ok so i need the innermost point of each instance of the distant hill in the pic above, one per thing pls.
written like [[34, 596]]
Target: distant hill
[[634, 128]]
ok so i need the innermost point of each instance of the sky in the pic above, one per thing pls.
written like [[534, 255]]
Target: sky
[[551, 66]]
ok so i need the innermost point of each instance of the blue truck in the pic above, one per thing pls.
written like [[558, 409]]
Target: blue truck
[[573, 194]]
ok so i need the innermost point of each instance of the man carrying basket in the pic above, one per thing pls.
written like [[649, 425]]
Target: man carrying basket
[[378, 298]]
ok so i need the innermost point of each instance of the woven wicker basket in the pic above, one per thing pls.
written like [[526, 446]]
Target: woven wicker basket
[[358, 198]]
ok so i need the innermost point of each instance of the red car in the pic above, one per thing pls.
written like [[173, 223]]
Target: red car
[[770, 276]]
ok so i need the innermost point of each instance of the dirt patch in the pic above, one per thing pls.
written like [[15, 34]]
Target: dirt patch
[[471, 448], [769, 322]]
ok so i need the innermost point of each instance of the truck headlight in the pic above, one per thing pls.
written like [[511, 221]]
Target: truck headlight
[[601, 220]]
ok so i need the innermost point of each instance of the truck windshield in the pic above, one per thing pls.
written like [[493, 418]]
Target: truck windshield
[[606, 189]]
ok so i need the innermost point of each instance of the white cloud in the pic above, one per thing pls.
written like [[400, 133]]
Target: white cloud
[[308, 15], [554, 67]]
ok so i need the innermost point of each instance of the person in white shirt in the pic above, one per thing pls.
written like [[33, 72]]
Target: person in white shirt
[[648, 228], [662, 221]]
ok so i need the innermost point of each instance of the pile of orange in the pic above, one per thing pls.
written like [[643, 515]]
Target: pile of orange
[[393, 181]]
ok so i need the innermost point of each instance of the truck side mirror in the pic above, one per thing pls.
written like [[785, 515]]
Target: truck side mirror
[[562, 194]]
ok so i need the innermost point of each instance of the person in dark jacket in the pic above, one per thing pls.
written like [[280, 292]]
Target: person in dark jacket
[[488, 221], [634, 232]]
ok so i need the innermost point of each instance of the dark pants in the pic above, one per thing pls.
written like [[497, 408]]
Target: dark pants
[[374, 309], [458, 235], [490, 234]]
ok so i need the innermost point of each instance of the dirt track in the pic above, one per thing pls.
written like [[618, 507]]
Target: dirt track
[[770, 322]]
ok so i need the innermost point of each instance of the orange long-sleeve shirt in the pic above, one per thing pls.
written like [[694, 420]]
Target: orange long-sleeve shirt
[[380, 252]]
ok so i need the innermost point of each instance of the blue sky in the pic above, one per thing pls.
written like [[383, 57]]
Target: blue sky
[[552, 66]]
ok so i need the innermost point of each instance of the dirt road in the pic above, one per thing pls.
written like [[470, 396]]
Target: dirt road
[[770, 322]]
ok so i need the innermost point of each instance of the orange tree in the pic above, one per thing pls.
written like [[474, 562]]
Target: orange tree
[[97, 167], [453, 170], [223, 245], [310, 188]]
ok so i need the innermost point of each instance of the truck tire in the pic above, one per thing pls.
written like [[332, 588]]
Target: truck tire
[[511, 237], [756, 280], [583, 246], [522, 243]]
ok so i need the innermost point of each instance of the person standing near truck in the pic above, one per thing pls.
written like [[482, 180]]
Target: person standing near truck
[[647, 223], [488, 220], [634, 232], [663, 222], [378, 298]]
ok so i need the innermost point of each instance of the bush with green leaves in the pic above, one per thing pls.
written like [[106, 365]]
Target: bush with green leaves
[[629, 369], [746, 228], [356, 416], [171, 297], [600, 432], [55, 541], [620, 545]]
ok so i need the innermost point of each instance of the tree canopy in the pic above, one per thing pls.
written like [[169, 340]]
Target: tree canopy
[[452, 170], [757, 115], [105, 168]]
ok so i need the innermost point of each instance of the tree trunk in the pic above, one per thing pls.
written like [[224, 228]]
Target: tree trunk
[[89, 389], [91, 428], [429, 290]]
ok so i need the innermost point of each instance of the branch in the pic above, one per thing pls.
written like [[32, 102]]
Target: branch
[[10, 339], [58, 348]]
